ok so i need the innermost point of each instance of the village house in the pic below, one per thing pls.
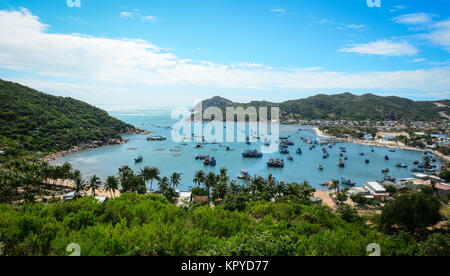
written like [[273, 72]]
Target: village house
[[377, 191]]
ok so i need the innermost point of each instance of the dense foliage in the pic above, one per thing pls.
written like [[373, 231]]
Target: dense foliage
[[32, 121], [351, 107], [149, 225]]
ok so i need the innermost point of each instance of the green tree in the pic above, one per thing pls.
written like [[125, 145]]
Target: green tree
[[111, 185], [199, 178], [445, 175], [175, 179], [210, 181], [437, 244], [94, 184], [150, 174], [341, 197], [411, 212]]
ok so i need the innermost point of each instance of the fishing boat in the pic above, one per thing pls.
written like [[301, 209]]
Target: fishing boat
[[416, 162], [385, 170], [389, 178], [156, 138], [367, 161], [347, 182], [400, 165], [210, 162], [321, 167], [417, 170], [252, 154], [341, 163], [362, 153], [213, 162], [326, 155], [244, 175], [346, 158], [139, 159], [290, 158], [310, 148], [386, 157], [284, 151], [277, 163], [392, 150], [373, 150], [202, 157], [299, 151], [434, 159]]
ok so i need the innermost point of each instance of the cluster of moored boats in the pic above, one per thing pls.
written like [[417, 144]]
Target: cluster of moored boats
[[207, 160]]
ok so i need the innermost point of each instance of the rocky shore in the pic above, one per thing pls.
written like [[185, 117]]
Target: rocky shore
[[94, 144]]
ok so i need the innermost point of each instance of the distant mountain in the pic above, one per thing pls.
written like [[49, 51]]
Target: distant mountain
[[347, 106], [32, 121], [216, 102]]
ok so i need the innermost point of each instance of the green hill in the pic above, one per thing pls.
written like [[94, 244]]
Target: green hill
[[32, 121], [351, 107]]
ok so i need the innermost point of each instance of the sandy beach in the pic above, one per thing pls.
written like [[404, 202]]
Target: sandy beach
[[320, 133], [327, 200]]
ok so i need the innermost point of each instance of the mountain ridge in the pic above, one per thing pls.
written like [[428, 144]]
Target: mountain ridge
[[347, 106]]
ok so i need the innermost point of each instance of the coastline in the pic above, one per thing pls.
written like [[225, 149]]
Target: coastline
[[93, 145], [383, 144]]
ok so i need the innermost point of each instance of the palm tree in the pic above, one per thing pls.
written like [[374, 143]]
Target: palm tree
[[175, 179], [334, 185], [111, 185], [199, 178], [150, 174], [66, 168], [80, 185], [163, 184], [223, 175], [125, 174], [94, 184], [210, 181]]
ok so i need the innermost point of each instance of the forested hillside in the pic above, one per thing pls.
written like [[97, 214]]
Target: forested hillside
[[351, 107], [32, 121]]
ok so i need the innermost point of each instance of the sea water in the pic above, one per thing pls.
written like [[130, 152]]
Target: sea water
[[106, 161]]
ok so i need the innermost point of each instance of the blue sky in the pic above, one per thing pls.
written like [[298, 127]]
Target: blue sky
[[160, 53]]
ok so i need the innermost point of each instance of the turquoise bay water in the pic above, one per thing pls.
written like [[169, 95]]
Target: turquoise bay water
[[105, 161]]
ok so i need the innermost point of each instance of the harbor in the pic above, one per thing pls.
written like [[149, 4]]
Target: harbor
[[303, 156]]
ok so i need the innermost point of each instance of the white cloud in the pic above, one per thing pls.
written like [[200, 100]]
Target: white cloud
[[126, 14], [397, 8], [419, 60], [440, 34], [70, 62], [278, 11], [382, 47], [148, 18], [414, 18], [354, 26]]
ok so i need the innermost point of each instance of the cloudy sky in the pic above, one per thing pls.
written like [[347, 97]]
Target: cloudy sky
[[116, 53]]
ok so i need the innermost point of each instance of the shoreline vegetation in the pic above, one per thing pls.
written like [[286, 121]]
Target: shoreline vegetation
[[266, 217]]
